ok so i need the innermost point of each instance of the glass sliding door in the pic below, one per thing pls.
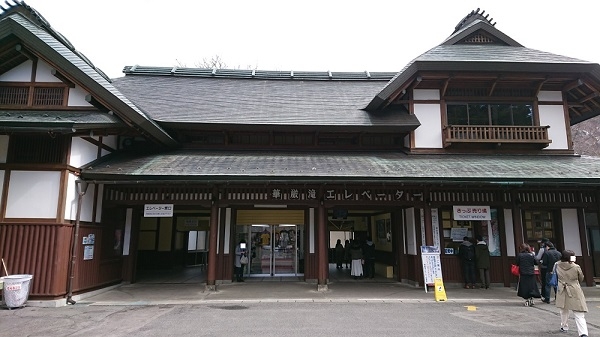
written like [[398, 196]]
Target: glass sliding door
[[275, 250]]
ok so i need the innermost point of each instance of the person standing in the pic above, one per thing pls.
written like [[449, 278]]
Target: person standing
[[339, 254], [466, 252], [356, 255], [240, 250], [369, 256], [550, 257], [482, 260], [569, 295], [347, 246], [541, 268], [527, 288]]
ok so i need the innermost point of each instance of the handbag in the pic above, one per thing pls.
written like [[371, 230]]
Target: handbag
[[243, 259], [554, 278], [514, 269]]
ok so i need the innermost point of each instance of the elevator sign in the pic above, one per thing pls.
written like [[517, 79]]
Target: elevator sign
[[158, 210], [472, 213]]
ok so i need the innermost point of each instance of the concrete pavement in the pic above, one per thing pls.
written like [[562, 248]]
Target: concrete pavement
[[291, 290]]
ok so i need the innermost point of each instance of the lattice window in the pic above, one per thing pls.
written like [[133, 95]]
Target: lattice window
[[37, 149], [48, 96], [478, 39], [13, 95]]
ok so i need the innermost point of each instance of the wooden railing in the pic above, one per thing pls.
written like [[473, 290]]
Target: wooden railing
[[496, 134]]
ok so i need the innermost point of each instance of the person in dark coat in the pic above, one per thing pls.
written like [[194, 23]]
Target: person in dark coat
[[347, 246], [466, 252], [550, 257], [527, 288], [369, 255], [339, 254], [482, 260]]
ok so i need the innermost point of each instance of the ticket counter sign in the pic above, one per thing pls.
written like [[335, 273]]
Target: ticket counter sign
[[158, 210], [466, 213]]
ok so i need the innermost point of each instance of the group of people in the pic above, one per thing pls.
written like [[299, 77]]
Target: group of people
[[568, 293], [360, 257], [475, 256]]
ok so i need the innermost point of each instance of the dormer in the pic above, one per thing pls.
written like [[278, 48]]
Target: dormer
[[482, 91]]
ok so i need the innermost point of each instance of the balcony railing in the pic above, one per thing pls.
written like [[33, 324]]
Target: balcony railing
[[496, 134]]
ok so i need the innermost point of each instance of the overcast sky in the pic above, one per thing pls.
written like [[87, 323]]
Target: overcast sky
[[304, 35]]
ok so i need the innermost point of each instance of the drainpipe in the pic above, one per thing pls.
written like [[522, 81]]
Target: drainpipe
[[81, 187]]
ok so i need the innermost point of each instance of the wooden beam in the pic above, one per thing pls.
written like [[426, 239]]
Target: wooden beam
[[589, 97], [572, 85], [61, 77], [25, 52], [539, 87], [445, 86], [494, 85]]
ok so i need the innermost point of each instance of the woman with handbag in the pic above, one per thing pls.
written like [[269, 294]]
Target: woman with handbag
[[527, 287], [241, 255], [569, 295]]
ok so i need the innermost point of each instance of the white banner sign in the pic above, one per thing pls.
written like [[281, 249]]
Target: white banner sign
[[432, 264], [472, 213], [158, 211]]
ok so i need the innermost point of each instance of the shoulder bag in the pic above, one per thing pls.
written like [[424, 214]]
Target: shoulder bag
[[553, 278], [244, 259]]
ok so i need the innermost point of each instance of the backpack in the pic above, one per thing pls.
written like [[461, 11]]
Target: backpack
[[469, 254]]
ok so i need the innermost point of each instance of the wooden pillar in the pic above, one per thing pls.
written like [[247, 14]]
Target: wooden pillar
[[517, 220], [212, 243], [428, 226], [322, 252], [588, 268]]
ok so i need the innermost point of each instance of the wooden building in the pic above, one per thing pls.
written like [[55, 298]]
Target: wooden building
[[104, 178]]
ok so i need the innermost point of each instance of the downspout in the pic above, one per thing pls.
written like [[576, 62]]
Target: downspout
[[81, 189]]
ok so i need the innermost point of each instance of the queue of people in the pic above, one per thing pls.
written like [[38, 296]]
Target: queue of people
[[568, 294], [359, 258]]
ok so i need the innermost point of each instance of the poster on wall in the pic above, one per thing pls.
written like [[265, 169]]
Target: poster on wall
[[88, 252], [493, 234]]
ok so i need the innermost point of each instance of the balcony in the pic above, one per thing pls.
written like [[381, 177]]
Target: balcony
[[499, 135]]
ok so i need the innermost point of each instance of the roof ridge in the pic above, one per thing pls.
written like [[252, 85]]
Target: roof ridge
[[30, 13], [472, 16], [259, 74]]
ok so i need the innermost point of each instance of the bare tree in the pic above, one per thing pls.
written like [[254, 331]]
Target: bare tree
[[214, 62]]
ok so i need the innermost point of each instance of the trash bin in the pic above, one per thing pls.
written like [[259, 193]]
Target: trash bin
[[15, 290]]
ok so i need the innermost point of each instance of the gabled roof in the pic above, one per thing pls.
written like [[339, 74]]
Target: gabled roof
[[477, 46], [238, 98], [20, 22], [343, 167]]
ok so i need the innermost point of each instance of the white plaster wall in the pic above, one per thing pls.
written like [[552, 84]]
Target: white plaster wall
[[44, 73], [426, 94], [87, 202], [100, 188], [20, 73], [227, 243], [77, 97], [554, 116], [311, 231], [509, 230], [82, 152], [550, 96], [571, 230], [3, 148], [411, 233], [429, 134], [111, 141], [33, 194], [1, 186]]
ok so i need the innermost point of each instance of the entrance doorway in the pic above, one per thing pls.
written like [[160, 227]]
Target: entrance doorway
[[275, 250]]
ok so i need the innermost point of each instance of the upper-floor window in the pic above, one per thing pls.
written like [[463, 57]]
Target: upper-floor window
[[27, 94], [489, 114]]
